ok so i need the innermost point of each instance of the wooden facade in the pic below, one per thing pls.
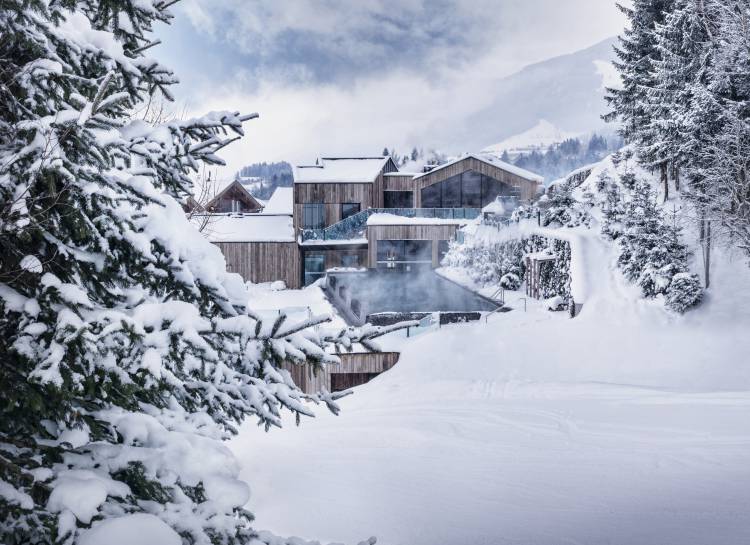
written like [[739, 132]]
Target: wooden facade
[[434, 233], [234, 198], [362, 365], [332, 195], [264, 261], [526, 189]]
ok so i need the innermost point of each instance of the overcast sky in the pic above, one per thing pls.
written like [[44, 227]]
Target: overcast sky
[[337, 77]]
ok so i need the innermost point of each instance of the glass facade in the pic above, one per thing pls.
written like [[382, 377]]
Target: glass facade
[[394, 252], [469, 189], [315, 267], [398, 199], [313, 216], [350, 260]]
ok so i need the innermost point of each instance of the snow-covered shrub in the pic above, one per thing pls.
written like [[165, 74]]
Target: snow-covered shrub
[[684, 292], [510, 281], [489, 263], [563, 210]]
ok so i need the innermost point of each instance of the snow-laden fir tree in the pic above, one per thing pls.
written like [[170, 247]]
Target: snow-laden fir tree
[[652, 254], [127, 353]]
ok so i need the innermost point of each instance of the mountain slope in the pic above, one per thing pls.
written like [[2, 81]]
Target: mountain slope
[[566, 91]]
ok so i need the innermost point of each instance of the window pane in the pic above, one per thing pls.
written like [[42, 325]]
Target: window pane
[[349, 209], [390, 250], [452, 192], [314, 267], [398, 199], [431, 197], [491, 189], [418, 250], [313, 216], [471, 189], [350, 260]]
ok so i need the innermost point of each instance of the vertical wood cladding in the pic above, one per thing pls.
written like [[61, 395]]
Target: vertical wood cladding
[[435, 233], [264, 261], [361, 365], [333, 195]]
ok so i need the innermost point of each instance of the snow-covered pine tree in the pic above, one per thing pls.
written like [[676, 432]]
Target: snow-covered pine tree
[[127, 352], [636, 54], [668, 136], [652, 255]]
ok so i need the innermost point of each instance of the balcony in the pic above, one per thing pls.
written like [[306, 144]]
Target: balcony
[[355, 226]]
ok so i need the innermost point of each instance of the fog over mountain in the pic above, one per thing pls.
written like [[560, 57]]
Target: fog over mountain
[[566, 92]]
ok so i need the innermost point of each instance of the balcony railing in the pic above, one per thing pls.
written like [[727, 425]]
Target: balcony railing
[[354, 226]]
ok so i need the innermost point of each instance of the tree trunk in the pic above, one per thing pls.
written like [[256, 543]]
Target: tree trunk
[[676, 176], [665, 179]]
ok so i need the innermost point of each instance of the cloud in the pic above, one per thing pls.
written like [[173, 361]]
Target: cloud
[[343, 76]]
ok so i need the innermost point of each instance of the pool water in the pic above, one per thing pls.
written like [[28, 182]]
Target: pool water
[[423, 291]]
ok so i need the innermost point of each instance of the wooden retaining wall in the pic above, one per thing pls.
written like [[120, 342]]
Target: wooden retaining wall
[[363, 366], [264, 261]]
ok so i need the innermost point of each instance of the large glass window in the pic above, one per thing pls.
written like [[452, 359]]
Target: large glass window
[[471, 190], [467, 190], [392, 252], [315, 267], [313, 216], [350, 260], [398, 199], [431, 197], [349, 209], [452, 192]]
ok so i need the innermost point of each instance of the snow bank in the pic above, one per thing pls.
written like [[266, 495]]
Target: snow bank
[[139, 528]]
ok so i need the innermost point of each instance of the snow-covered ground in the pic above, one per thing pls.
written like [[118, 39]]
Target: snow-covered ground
[[627, 425]]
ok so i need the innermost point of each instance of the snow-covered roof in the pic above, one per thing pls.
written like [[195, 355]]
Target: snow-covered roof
[[393, 219], [248, 228], [401, 173], [341, 170], [491, 160], [281, 202]]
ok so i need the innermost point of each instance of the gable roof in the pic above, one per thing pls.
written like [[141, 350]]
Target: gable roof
[[243, 191], [341, 170], [490, 160], [281, 202]]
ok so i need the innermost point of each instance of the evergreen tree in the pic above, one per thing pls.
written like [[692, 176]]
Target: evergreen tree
[[636, 54], [127, 352]]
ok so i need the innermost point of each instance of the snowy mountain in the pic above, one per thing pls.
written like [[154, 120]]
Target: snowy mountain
[[539, 138], [562, 95]]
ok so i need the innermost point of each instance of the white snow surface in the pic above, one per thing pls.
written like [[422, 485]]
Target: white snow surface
[[625, 425], [540, 137], [140, 528], [250, 228], [281, 202], [341, 170]]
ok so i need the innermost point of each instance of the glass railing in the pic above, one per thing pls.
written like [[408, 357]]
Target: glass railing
[[354, 226]]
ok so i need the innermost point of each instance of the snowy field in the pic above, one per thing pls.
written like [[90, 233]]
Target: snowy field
[[626, 426]]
